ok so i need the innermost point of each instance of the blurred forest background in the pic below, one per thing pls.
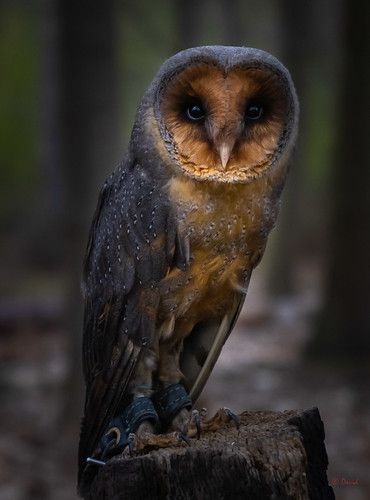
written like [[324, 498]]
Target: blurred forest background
[[72, 73]]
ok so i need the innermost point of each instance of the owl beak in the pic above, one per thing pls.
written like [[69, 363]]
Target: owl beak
[[224, 152]]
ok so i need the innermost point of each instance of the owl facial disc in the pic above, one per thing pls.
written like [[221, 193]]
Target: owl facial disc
[[227, 121]]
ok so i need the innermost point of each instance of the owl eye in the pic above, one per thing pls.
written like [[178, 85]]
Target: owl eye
[[254, 111], [195, 112]]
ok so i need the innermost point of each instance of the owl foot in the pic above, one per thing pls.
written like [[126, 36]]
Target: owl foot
[[181, 421], [149, 441], [191, 424], [188, 425], [173, 404], [222, 417], [139, 417], [196, 421]]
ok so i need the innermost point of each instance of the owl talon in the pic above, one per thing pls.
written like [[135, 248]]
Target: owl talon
[[197, 421], [221, 417], [233, 417], [131, 444], [184, 438]]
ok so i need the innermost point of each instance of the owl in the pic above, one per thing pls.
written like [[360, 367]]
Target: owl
[[178, 229]]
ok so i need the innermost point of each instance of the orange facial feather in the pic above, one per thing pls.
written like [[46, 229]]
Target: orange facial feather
[[225, 98]]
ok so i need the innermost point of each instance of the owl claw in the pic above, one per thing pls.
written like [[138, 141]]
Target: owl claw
[[131, 443], [222, 416], [197, 421], [184, 438], [233, 417]]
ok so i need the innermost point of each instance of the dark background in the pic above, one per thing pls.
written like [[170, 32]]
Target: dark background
[[72, 73]]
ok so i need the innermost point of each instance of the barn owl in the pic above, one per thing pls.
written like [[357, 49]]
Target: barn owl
[[178, 229]]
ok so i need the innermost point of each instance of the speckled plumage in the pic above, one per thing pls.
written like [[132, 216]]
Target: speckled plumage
[[171, 251]]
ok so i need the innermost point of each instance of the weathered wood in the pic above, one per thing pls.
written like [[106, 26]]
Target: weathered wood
[[272, 456]]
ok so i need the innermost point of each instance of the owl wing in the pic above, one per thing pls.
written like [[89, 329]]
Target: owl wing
[[132, 244], [203, 346]]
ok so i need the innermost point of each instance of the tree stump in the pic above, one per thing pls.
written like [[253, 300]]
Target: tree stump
[[273, 455]]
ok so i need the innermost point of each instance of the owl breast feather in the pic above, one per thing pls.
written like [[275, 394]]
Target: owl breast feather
[[227, 229]]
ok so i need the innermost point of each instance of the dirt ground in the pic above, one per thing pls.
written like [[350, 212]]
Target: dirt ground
[[260, 368]]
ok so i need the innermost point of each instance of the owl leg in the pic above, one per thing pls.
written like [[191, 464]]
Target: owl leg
[[141, 383], [142, 386], [134, 429], [172, 402], [169, 376], [140, 416], [188, 423]]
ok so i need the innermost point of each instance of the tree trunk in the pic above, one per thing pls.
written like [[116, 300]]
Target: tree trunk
[[344, 324], [189, 16], [88, 131], [273, 455], [232, 22], [49, 208], [296, 30]]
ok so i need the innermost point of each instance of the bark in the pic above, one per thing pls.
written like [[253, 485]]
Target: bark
[[272, 455]]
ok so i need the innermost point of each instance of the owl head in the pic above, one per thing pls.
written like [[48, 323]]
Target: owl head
[[223, 114]]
